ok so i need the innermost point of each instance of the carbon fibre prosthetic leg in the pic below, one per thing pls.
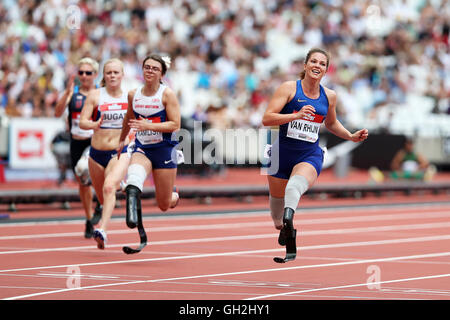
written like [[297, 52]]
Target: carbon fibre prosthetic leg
[[287, 237], [134, 217]]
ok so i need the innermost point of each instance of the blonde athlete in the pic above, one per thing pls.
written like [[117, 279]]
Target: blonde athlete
[[74, 98], [107, 107]]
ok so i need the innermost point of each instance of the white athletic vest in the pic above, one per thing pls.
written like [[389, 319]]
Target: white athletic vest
[[112, 109], [152, 109]]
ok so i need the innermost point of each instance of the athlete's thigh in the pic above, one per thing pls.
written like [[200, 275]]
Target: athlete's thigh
[[141, 159], [116, 169], [306, 170], [277, 186], [164, 180]]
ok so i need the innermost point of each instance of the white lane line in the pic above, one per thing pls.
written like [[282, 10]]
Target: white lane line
[[366, 261], [299, 221], [397, 208], [247, 252], [437, 276], [263, 236]]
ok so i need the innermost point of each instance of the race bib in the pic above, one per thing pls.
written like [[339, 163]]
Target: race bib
[[113, 115], [306, 129], [75, 127], [150, 136]]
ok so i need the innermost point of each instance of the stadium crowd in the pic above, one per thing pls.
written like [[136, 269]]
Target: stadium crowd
[[229, 55]]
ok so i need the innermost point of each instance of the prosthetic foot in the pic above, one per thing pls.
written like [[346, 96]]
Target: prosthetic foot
[[134, 218], [287, 237]]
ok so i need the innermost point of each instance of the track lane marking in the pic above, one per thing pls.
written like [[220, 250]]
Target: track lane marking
[[299, 221], [397, 208], [219, 254], [350, 286], [366, 261], [256, 236]]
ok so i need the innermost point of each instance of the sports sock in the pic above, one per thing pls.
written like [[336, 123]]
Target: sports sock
[[295, 188], [276, 210]]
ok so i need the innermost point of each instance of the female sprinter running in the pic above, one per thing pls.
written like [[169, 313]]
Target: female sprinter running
[[74, 98], [107, 106], [154, 114], [299, 108]]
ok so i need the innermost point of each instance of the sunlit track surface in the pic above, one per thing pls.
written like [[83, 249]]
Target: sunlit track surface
[[372, 249]]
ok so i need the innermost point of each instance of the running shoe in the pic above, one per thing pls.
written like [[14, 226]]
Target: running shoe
[[175, 191], [97, 214], [88, 230], [100, 238], [123, 186]]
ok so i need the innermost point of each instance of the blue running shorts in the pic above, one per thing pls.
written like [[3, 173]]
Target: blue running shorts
[[282, 162], [102, 157]]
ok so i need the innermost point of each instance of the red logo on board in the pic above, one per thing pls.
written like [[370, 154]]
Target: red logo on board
[[30, 143]]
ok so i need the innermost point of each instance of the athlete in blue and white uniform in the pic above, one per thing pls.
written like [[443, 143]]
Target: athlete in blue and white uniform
[[153, 110], [154, 114], [74, 98], [299, 108], [104, 112], [298, 140]]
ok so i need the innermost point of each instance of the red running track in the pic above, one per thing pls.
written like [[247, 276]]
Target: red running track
[[391, 249]]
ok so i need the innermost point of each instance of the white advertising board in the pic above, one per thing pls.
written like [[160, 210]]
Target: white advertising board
[[30, 142]]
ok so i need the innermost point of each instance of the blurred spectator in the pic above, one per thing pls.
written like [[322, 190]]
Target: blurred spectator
[[407, 164]]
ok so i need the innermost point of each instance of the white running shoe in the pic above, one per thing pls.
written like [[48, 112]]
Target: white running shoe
[[100, 238], [177, 195], [123, 186]]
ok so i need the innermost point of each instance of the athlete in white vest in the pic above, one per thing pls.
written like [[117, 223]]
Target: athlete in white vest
[[107, 107]]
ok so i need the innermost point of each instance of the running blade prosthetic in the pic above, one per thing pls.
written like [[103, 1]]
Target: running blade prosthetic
[[287, 237], [133, 204], [143, 237], [291, 249], [134, 218]]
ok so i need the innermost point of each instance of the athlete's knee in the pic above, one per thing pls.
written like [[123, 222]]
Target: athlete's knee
[[109, 187], [298, 183], [295, 188], [136, 176], [164, 205]]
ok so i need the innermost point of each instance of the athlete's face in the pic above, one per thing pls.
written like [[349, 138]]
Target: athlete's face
[[152, 70], [86, 74], [113, 74], [316, 67]]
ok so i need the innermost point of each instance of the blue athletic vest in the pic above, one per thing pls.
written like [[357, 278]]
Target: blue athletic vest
[[300, 99], [75, 106]]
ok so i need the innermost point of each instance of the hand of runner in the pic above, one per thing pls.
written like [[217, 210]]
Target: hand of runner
[[98, 123], [360, 135], [138, 124], [307, 110]]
